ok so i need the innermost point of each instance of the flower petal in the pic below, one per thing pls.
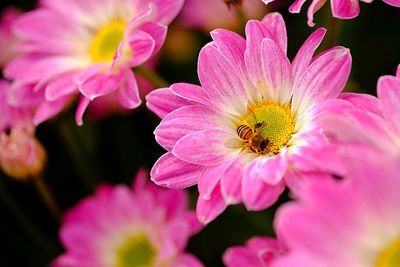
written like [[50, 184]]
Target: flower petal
[[142, 45], [325, 78], [208, 209], [60, 87], [163, 101], [191, 92], [204, 147], [128, 92], [48, 109], [277, 72], [276, 26], [171, 172], [157, 31], [345, 9], [221, 81], [389, 95]]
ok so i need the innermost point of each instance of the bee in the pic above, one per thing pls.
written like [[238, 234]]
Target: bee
[[255, 140], [236, 3]]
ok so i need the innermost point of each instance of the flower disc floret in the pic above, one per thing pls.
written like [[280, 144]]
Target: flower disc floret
[[137, 251]]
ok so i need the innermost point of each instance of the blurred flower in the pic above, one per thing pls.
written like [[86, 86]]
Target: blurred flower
[[251, 124], [341, 9], [89, 47], [21, 154], [119, 226], [371, 122], [258, 252], [8, 49], [350, 223], [210, 14]]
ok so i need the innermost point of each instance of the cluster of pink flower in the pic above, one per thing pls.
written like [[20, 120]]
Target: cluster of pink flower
[[259, 123]]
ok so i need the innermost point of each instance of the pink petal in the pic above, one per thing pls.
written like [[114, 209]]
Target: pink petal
[[241, 257], [277, 72], [389, 95], [193, 112], [142, 45], [256, 193], [365, 102], [256, 31], [100, 84], [231, 184], [163, 101], [187, 260], [276, 26], [82, 106], [167, 10], [345, 9], [204, 147], [128, 92], [312, 9], [168, 133], [304, 56], [191, 92], [221, 81], [171, 172], [232, 46], [296, 6], [208, 209], [60, 87], [325, 78], [157, 31], [49, 108]]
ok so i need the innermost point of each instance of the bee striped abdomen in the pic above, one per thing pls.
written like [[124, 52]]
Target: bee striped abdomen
[[244, 132]]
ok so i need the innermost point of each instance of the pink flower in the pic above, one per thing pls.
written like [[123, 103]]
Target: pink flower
[[119, 226], [258, 252], [350, 223], [8, 49], [210, 14], [250, 126], [21, 154], [88, 47], [367, 121], [342, 9]]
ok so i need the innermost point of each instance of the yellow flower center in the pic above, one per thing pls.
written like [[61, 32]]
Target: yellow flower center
[[271, 127], [390, 256], [106, 41], [137, 251]]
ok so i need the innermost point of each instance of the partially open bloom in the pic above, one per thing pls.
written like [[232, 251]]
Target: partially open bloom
[[21, 154], [210, 14], [88, 47], [119, 226], [371, 122], [251, 123], [258, 252], [8, 49], [342, 9], [350, 223]]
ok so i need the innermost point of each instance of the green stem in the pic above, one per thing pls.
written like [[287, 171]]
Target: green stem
[[25, 221], [242, 17], [75, 149], [47, 196], [151, 76]]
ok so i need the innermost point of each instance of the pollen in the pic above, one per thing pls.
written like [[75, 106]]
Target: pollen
[[390, 256], [274, 123], [106, 40]]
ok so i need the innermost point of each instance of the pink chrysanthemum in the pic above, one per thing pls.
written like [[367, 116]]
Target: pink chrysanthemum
[[251, 124], [349, 223], [90, 46], [371, 122], [123, 227], [258, 252], [342, 9]]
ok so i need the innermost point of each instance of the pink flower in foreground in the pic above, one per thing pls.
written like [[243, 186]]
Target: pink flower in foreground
[[349, 223], [90, 46], [8, 49], [119, 226], [342, 9], [250, 126], [374, 122], [258, 252], [210, 14]]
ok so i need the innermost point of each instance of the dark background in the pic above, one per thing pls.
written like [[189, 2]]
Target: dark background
[[112, 150]]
